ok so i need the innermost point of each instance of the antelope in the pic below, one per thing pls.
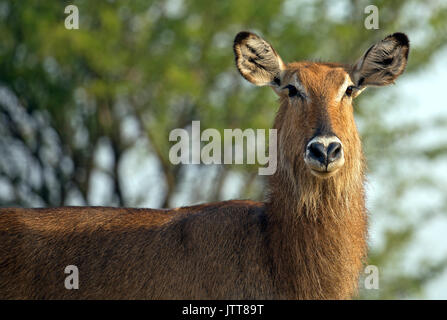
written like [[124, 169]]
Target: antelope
[[307, 240]]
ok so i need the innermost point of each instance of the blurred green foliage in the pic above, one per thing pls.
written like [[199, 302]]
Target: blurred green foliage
[[157, 65]]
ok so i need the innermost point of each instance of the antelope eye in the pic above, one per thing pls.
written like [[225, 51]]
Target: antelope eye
[[293, 91], [349, 90]]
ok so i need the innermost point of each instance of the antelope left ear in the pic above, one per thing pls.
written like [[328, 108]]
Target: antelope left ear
[[383, 62], [257, 61]]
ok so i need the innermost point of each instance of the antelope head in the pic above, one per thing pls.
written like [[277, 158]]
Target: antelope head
[[317, 134]]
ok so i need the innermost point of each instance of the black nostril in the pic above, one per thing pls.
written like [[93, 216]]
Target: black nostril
[[333, 151], [317, 151]]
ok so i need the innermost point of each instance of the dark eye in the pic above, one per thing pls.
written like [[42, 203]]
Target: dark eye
[[293, 91], [349, 90]]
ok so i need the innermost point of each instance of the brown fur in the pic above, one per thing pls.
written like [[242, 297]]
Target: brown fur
[[321, 233], [207, 251], [306, 241]]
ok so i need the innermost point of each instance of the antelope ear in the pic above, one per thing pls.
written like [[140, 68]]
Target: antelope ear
[[383, 62], [256, 60]]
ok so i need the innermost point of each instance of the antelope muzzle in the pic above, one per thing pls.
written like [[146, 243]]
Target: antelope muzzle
[[324, 156]]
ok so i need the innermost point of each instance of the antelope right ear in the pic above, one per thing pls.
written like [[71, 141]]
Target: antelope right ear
[[383, 62], [256, 60]]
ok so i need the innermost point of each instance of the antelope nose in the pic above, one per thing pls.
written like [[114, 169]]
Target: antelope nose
[[317, 152], [324, 154], [333, 152]]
